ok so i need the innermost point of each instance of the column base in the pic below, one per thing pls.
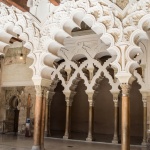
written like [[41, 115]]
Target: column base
[[144, 143], [66, 137], [115, 140], [89, 139], [36, 148]]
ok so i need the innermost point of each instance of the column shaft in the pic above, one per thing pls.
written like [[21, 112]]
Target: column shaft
[[144, 142], [68, 120], [37, 123], [90, 129], [43, 123], [115, 138], [125, 135], [50, 98], [48, 120]]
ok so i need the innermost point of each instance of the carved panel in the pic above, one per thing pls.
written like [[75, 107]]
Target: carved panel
[[121, 3], [87, 45]]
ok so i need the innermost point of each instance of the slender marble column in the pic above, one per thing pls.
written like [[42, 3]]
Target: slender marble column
[[115, 138], [43, 118], [37, 119], [144, 142], [51, 94], [125, 120], [91, 114], [46, 117], [46, 113], [68, 118]]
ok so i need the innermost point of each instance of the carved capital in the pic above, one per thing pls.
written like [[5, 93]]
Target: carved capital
[[115, 99], [67, 99], [144, 98], [90, 95], [115, 103], [68, 103], [40, 90], [67, 96], [144, 103], [45, 90], [125, 89], [91, 103]]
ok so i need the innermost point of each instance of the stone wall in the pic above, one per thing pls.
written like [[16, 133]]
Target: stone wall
[[22, 94]]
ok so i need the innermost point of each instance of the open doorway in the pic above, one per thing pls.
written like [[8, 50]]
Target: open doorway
[[12, 115]]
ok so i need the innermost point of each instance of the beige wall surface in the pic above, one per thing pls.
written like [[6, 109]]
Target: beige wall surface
[[17, 74]]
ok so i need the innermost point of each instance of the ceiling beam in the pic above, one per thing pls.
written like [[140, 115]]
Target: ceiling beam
[[22, 5], [55, 2]]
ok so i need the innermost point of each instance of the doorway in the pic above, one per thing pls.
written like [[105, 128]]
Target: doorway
[[12, 115]]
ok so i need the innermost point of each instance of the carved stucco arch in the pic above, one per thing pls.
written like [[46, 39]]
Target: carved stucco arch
[[78, 71], [69, 15], [102, 19], [14, 23], [113, 26]]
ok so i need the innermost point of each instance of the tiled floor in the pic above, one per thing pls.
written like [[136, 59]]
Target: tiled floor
[[10, 142]]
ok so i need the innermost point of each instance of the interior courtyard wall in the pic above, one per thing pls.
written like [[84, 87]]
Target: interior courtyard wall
[[17, 74], [148, 114], [58, 112], [104, 107], [144, 80], [79, 113], [23, 109], [2, 102], [136, 110], [22, 93]]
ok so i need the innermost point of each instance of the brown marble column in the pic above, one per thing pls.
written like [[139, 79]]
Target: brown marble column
[[144, 142], [116, 110], [68, 117], [91, 114], [46, 116], [43, 118], [51, 94], [125, 118], [46, 113], [37, 119]]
